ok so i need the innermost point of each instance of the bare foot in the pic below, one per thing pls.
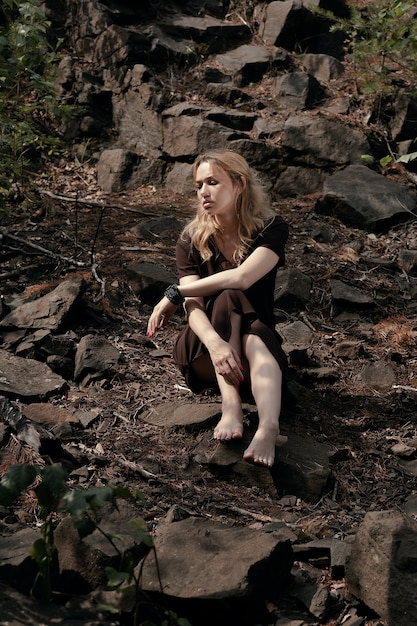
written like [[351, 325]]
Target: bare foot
[[262, 448], [229, 427]]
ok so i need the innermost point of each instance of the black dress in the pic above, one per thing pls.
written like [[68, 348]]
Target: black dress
[[255, 305]]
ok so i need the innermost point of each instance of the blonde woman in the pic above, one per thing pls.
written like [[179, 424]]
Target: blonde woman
[[227, 259]]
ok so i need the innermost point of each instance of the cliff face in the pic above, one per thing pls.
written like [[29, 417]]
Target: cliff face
[[158, 83]]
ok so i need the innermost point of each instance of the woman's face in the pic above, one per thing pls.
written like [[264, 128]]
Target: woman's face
[[216, 191]]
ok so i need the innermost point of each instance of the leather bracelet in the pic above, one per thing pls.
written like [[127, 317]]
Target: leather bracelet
[[173, 294]]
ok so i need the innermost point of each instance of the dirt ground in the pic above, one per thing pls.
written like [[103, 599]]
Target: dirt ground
[[362, 424]]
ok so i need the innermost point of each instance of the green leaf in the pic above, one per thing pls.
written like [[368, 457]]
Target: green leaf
[[386, 160], [406, 158], [38, 551], [142, 532], [15, 481], [116, 578], [108, 608], [367, 159]]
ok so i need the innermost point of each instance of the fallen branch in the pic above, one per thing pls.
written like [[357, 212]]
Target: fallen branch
[[35, 246], [91, 203]]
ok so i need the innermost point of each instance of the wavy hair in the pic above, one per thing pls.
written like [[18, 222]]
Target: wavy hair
[[252, 205]]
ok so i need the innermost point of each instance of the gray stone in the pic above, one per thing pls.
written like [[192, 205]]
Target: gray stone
[[119, 169], [49, 311], [381, 570], [292, 289], [295, 181], [379, 376], [149, 281], [246, 63], [27, 379], [364, 199], [320, 142], [180, 178], [190, 416], [346, 295], [188, 136], [202, 559], [237, 120], [296, 333], [95, 357], [322, 66], [297, 91], [217, 34]]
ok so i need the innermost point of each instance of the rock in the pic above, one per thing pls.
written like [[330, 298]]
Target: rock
[[297, 181], [246, 63], [238, 120], [180, 415], [296, 333], [346, 295], [50, 311], [227, 572], [220, 35], [321, 142], [95, 357], [119, 169], [322, 66], [335, 550], [149, 281], [381, 569], [27, 379], [292, 289], [297, 91], [364, 199], [46, 413], [379, 376], [18, 609], [185, 137]]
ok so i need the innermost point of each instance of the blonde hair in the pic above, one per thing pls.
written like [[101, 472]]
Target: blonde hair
[[252, 205]]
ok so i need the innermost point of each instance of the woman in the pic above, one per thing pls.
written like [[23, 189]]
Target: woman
[[227, 259]]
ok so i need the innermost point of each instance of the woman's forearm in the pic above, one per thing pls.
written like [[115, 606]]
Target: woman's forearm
[[229, 279], [202, 327], [259, 263]]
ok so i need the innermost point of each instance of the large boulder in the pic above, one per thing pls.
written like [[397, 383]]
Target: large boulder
[[364, 199]]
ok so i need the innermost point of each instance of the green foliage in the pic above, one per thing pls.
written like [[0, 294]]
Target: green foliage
[[28, 105], [85, 506], [389, 159], [381, 44]]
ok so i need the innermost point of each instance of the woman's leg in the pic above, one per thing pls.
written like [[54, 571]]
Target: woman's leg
[[266, 384], [230, 425]]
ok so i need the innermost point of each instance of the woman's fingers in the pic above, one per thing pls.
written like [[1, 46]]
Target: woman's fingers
[[160, 316], [231, 371]]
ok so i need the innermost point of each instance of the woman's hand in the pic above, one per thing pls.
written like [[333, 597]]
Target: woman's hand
[[160, 316], [226, 362]]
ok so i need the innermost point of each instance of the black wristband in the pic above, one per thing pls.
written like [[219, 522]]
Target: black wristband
[[173, 294]]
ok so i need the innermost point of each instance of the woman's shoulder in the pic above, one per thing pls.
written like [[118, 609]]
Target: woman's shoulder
[[273, 224]]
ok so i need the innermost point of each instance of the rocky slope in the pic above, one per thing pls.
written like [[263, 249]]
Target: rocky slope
[[158, 84]]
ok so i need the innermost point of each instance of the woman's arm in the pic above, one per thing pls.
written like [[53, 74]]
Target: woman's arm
[[260, 262], [226, 361]]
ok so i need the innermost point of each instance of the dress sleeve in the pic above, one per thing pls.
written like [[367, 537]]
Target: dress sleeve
[[187, 264], [274, 236]]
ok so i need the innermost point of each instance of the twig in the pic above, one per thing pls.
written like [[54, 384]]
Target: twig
[[405, 388], [256, 516], [44, 250], [91, 203], [135, 467]]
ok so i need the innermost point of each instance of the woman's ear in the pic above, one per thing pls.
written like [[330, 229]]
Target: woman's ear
[[243, 182]]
